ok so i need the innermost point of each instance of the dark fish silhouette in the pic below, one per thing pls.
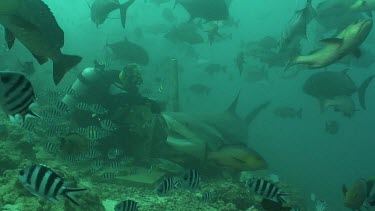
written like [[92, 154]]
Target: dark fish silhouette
[[34, 25], [100, 10], [129, 51]]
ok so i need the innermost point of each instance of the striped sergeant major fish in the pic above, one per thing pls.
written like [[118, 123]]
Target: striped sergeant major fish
[[167, 185], [191, 179], [95, 108], [108, 125], [16, 96], [266, 189], [45, 183], [93, 132], [208, 196], [127, 205]]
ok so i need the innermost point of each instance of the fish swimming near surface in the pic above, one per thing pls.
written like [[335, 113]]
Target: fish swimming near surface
[[357, 194], [127, 205], [288, 112], [345, 43], [16, 96], [335, 89], [128, 51], [45, 183], [100, 10], [33, 24], [238, 157], [210, 10]]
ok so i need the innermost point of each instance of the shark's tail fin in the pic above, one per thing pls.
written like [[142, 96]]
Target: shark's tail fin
[[123, 10], [253, 114], [362, 91]]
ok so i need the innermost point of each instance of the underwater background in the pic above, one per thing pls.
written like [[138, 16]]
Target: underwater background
[[299, 150]]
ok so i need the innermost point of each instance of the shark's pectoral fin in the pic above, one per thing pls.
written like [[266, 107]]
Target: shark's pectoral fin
[[9, 38], [357, 52], [332, 41]]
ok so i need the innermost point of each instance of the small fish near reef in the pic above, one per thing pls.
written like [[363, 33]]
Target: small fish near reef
[[16, 96], [45, 183]]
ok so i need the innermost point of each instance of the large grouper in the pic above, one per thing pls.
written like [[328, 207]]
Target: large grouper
[[33, 24]]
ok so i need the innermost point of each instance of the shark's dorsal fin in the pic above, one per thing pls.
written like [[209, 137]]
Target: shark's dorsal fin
[[254, 113], [232, 108]]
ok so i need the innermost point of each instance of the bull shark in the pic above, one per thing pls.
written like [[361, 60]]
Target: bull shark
[[296, 30], [199, 134]]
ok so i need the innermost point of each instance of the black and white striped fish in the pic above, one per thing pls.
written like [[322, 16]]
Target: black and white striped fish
[[208, 196], [266, 189], [109, 175], [108, 125], [114, 153], [83, 106], [70, 91], [71, 159], [98, 109], [16, 96], [167, 185], [50, 114], [51, 147], [62, 107], [56, 130], [97, 164], [127, 205], [43, 182], [93, 132], [191, 179], [28, 125], [114, 164]]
